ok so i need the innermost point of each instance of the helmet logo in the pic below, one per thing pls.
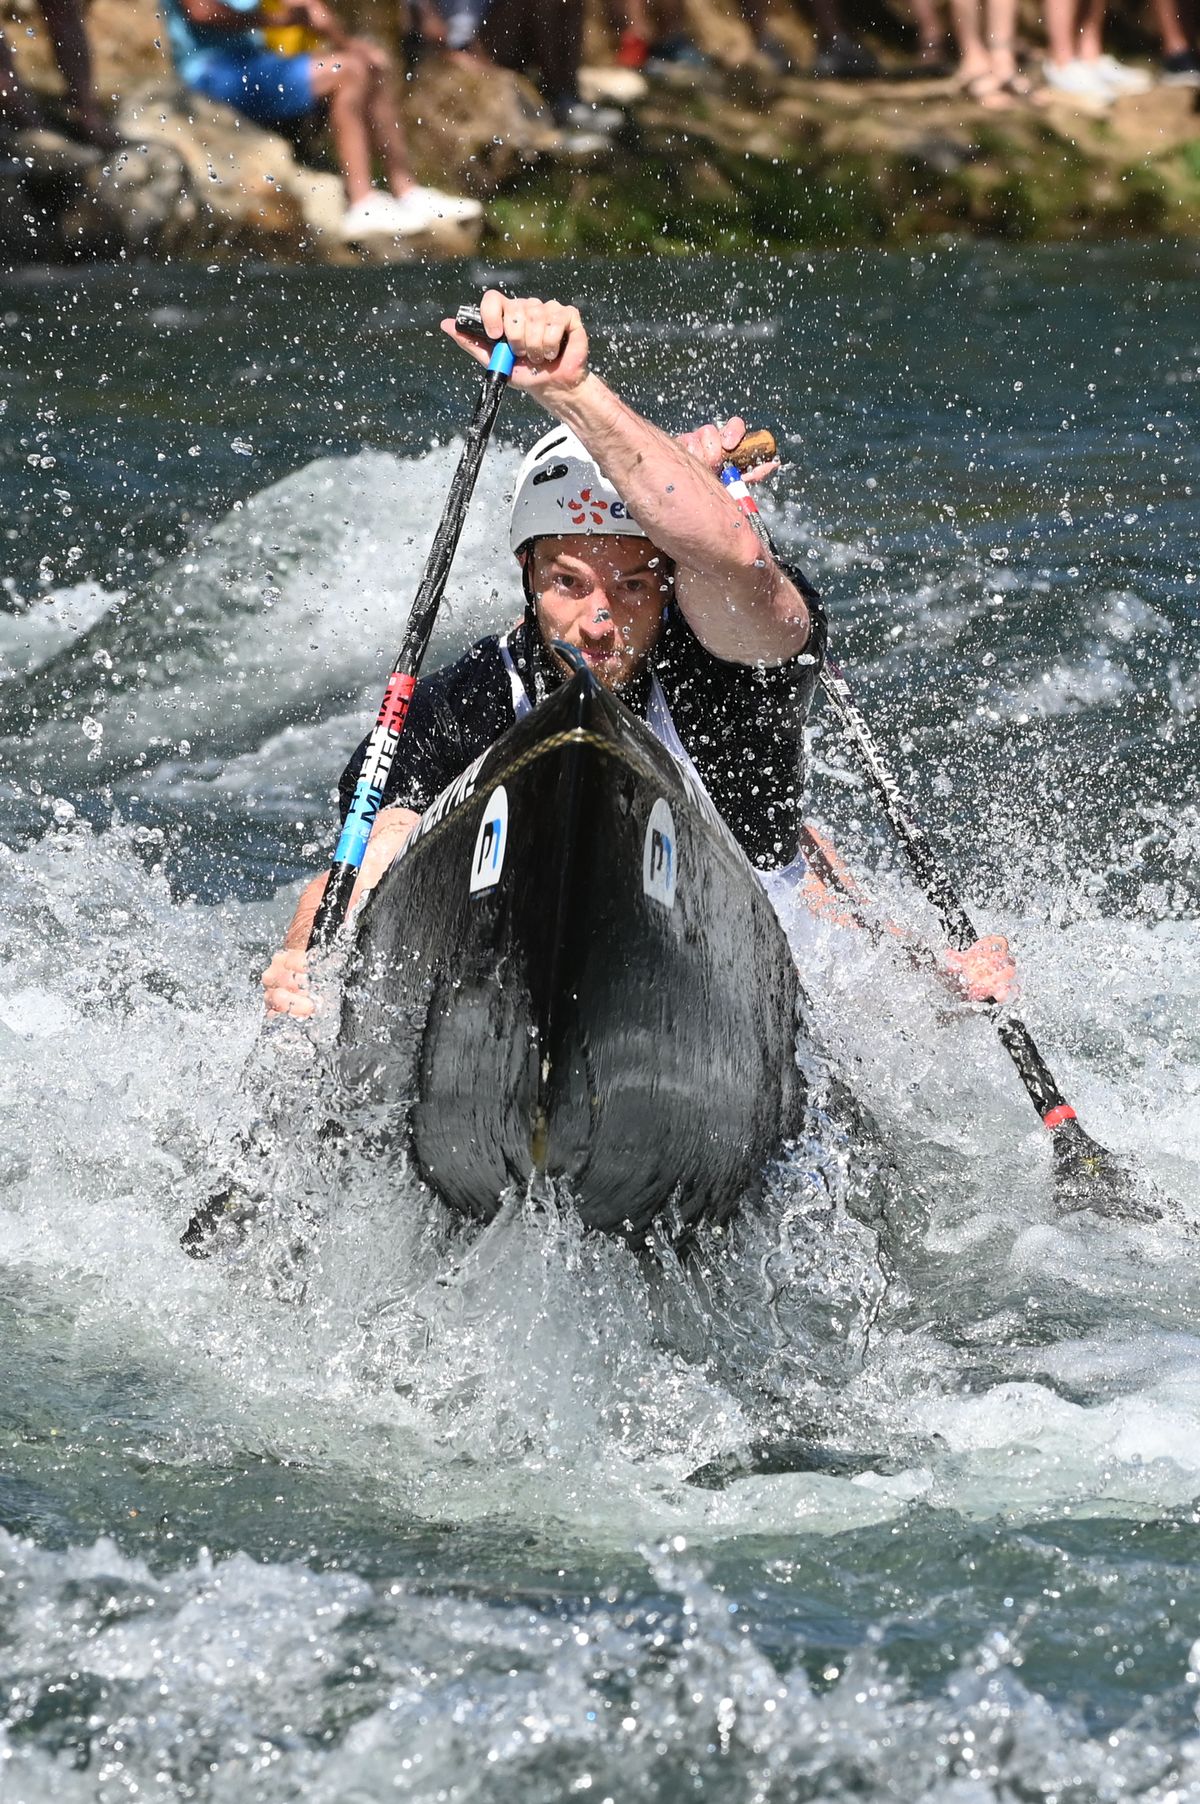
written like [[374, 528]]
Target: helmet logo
[[587, 504]]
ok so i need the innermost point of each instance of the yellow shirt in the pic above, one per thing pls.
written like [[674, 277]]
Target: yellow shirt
[[289, 40]]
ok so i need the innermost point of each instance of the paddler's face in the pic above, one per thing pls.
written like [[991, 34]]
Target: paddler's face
[[604, 595]]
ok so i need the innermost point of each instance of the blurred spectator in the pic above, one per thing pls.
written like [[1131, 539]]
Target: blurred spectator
[[1180, 67], [222, 55], [452, 24], [840, 57], [1077, 64], [652, 35], [544, 39], [85, 118], [984, 31]]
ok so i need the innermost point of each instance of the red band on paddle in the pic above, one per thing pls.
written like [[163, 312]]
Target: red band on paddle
[[393, 711], [1055, 1117], [743, 497]]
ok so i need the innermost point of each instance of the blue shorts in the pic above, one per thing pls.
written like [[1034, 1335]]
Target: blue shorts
[[263, 85]]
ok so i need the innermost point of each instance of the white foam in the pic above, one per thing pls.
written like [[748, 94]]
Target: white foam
[[32, 635], [214, 1676]]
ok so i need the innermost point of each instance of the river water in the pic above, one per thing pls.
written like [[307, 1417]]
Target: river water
[[889, 1495]]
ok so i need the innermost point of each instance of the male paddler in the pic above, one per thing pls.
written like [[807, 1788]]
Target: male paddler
[[633, 552]]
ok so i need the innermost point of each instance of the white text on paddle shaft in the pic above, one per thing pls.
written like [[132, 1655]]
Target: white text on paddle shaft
[[371, 787], [451, 797]]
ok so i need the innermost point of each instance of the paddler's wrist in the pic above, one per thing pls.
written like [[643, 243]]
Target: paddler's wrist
[[588, 406]]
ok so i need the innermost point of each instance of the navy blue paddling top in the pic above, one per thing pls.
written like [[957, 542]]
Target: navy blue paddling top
[[741, 724]]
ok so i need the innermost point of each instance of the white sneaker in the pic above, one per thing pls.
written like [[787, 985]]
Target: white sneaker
[[1079, 80], [371, 217], [442, 206], [1121, 78], [417, 210], [586, 116]]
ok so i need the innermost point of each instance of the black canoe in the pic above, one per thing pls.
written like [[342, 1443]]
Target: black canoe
[[572, 970]]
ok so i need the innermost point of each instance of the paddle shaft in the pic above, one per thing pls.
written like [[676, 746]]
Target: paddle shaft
[[393, 711], [1032, 1068], [1037, 1077]]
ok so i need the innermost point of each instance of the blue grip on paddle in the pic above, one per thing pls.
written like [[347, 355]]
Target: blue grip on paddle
[[352, 843], [502, 359]]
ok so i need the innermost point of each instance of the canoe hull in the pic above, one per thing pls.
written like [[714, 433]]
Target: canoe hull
[[573, 972]]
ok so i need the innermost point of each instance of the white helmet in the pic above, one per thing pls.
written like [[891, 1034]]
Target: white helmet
[[560, 492]]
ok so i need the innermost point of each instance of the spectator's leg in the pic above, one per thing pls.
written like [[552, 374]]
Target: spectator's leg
[[1062, 40], [559, 25], [383, 113], [547, 34], [1001, 32], [1169, 19], [343, 79], [930, 31], [18, 109], [1091, 30], [974, 63], [506, 35], [630, 15], [64, 21]]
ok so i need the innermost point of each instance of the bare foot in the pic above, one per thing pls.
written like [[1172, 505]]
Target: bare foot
[[990, 92]]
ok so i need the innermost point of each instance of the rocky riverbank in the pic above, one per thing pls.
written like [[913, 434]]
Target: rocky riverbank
[[753, 161]]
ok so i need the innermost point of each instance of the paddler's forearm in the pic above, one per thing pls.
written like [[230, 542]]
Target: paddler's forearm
[[300, 932], [681, 505], [392, 828], [735, 596]]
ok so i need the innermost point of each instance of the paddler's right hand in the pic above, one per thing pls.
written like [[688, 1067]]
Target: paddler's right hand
[[547, 339], [285, 984]]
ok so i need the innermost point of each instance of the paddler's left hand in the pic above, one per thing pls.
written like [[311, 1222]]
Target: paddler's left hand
[[713, 442], [985, 972], [547, 339]]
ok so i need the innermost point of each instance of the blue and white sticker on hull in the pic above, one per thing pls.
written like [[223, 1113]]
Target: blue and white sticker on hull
[[660, 855], [491, 842]]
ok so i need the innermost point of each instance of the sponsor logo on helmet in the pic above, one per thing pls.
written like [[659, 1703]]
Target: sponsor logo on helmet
[[594, 507]]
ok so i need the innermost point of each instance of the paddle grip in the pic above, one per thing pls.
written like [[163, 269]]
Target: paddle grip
[[757, 447]]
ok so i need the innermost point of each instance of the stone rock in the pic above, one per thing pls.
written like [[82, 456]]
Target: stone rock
[[236, 175], [470, 130], [248, 192]]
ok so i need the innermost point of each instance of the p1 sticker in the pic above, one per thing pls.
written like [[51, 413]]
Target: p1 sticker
[[487, 861], [659, 855]]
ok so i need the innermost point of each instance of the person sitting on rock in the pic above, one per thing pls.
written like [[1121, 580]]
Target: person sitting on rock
[[220, 52], [19, 111]]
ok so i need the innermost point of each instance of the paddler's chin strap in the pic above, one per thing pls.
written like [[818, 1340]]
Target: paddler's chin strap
[[531, 637]]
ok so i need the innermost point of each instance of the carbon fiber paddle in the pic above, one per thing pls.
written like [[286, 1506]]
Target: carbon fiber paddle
[[393, 712]]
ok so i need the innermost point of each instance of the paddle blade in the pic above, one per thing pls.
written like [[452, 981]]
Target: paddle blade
[[1088, 1176]]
